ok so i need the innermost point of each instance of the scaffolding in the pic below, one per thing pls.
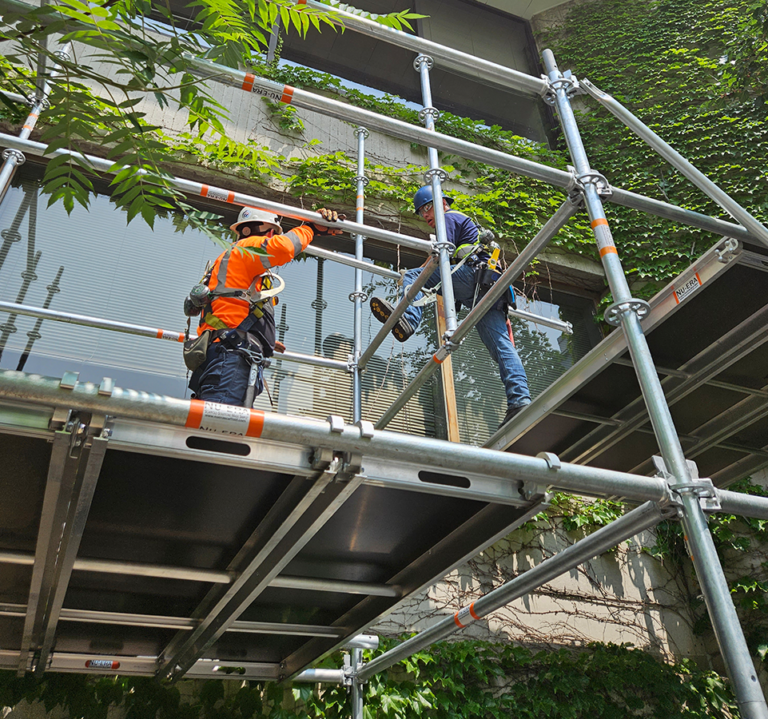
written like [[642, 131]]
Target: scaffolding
[[85, 419]]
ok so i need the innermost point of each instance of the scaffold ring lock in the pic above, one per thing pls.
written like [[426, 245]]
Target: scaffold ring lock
[[355, 295], [17, 157], [438, 246], [11, 235], [613, 314], [423, 60], [363, 179], [362, 131], [596, 179], [568, 83], [432, 112], [438, 172]]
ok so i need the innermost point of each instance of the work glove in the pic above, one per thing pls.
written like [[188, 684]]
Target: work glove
[[331, 216]]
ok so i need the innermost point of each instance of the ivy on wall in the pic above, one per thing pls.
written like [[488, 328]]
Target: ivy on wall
[[455, 680]]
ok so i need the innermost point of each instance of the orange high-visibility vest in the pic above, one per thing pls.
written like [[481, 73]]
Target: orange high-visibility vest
[[239, 269]]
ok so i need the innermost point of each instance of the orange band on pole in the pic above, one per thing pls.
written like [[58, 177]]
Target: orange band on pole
[[472, 611], [28, 127], [598, 221], [195, 415], [435, 358], [608, 251], [204, 191], [181, 336], [248, 81], [159, 334], [287, 97], [256, 423], [456, 620]]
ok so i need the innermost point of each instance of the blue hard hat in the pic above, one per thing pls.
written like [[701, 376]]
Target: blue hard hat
[[424, 195]]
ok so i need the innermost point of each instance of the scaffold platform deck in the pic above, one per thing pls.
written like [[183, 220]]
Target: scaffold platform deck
[[707, 332], [186, 531]]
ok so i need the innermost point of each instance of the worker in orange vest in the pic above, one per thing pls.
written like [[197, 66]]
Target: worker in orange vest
[[235, 301]]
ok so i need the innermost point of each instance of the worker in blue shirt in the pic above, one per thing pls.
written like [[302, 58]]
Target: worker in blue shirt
[[462, 233]]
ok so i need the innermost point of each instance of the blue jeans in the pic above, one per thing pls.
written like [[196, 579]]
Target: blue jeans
[[223, 377], [492, 329]]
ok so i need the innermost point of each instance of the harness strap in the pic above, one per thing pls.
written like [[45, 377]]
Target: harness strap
[[430, 295]]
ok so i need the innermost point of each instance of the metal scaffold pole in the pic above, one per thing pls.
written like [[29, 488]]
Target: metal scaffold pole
[[357, 691], [358, 296], [435, 176], [15, 158], [628, 312], [638, 520]]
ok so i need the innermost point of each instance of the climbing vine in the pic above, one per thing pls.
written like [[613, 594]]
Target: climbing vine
[[455, 680]]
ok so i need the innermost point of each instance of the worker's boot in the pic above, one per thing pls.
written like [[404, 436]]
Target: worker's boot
[[511, 413], [382, 309]]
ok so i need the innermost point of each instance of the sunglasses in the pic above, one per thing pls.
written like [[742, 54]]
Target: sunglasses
[[425, 208]]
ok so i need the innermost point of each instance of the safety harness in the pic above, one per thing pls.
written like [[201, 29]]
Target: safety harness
[[256, 332]]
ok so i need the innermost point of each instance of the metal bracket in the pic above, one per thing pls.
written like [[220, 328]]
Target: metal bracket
[[363, 179], [366, 429], [728, 251], [60, 418], [432, 112], [552, 460], [69, 380], [423, 60], [438, 172], [18, 157], [613, 314], [362, 131], [336, 422], [354, 295], [567, 82], [106, 387]]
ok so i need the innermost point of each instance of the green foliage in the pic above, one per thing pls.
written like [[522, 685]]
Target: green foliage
[[286, 117], [662, 61], [97, 105], [453, 680]]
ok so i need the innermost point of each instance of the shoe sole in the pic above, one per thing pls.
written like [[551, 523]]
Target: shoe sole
[[382, 310]]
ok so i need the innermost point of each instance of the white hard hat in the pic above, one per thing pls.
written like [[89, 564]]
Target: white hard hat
[[251, 214]]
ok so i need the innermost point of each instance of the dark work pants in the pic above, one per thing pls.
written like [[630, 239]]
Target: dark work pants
[[223, 377]]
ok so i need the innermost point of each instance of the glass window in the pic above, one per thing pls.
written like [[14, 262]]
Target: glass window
[[93, 263], [546, 354]]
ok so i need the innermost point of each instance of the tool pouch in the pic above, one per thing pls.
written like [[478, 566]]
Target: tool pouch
[[196, 350], [485, 278]]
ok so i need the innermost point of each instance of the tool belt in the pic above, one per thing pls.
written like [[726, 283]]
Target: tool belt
[[233, 340]]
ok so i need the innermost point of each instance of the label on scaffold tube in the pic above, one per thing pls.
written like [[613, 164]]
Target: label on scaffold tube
[[465, 616], [603, 237], [216, 193], [225, 419], [172, 336], [687, 288], [102, 664]]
